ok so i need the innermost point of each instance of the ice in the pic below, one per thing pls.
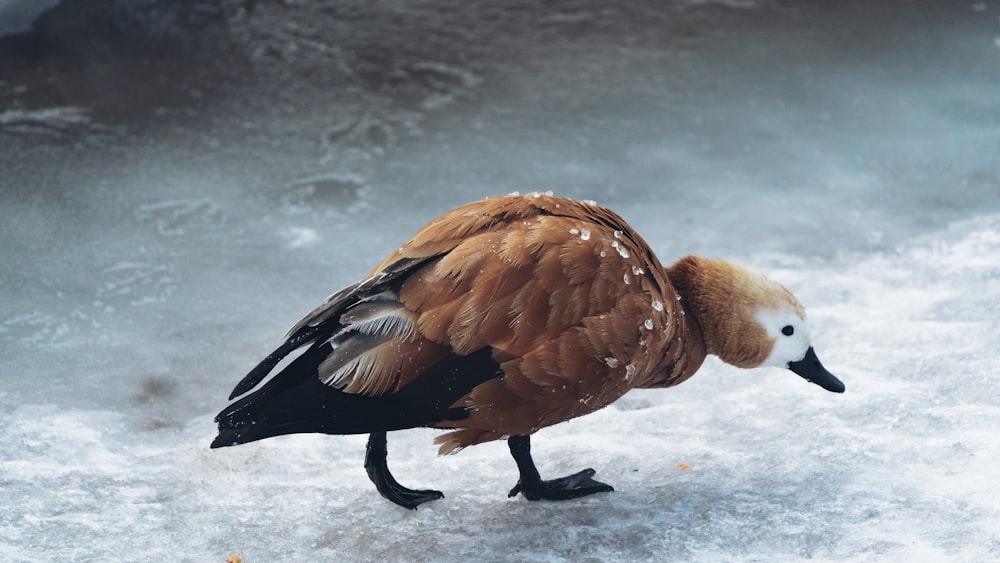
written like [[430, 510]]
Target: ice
[[16, 15], [20, 119], [179, 186], [300, 236], [622, 251]]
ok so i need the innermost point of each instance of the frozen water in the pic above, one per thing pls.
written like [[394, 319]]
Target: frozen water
[[629, 370], [620, 248], [181, 183], [17, 15]]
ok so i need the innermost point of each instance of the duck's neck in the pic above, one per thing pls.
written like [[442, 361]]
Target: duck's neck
[[687, 349], [688, 276], [708, 292]]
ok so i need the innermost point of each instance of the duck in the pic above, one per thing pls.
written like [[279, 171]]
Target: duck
[[506, 316]]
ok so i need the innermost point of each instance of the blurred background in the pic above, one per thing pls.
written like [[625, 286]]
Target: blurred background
[[181, 180]]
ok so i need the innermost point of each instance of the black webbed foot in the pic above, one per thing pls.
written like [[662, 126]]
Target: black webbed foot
[[378, 472], [533, 487], [572, 486]]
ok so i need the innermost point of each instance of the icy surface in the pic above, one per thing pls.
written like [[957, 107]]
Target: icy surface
[[17, 15], [181, 181]]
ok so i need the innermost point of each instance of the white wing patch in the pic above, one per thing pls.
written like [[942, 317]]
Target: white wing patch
[[362, 358], [379, 315]]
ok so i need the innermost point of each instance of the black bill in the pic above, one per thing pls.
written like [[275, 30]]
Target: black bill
[[812, 370]]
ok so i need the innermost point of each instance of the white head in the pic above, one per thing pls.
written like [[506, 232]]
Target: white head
[[793, 349], [789, 333]]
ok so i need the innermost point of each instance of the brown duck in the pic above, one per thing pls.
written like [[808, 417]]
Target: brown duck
[[505, 316]]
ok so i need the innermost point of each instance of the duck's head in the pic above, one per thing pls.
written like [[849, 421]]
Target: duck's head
[[748, 320], [790, 345]]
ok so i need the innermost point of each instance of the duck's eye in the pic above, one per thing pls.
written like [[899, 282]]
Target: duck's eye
[[788, 330]]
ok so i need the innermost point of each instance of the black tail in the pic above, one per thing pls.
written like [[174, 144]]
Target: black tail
[[296, 401]]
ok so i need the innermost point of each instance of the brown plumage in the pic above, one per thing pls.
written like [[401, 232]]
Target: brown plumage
[[505, 316]]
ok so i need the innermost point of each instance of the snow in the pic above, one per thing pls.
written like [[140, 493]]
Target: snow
[[170, 209]]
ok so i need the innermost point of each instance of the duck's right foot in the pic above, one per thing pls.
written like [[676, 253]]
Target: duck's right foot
[[378, 472], [533, 487], [572, 486]]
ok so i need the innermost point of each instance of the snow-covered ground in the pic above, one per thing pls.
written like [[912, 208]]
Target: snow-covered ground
[[180, 182]]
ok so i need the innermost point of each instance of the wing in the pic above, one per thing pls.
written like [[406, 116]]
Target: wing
[[324, 321], [366, 323]]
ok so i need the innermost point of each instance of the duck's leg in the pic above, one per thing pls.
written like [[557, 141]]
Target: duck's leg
[[378, 472], [533, 487]]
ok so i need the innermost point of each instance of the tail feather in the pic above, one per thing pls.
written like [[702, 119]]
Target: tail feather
[[257, 374], [296, 401]]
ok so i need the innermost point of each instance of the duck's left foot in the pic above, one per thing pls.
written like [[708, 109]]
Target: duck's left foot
[[533, 487], [378, 472]]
